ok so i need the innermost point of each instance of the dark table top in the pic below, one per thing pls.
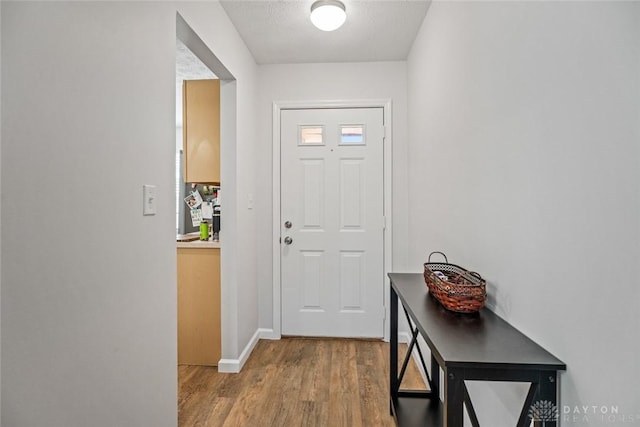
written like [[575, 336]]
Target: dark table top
[[475, 340]]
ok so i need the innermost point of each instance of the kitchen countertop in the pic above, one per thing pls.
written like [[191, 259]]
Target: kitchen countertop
[[198, 244], [187, 241]]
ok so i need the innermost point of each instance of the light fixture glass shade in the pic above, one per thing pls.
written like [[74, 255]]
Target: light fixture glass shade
[[328, 15]]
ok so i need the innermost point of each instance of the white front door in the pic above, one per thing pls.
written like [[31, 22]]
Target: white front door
[[332, 222]]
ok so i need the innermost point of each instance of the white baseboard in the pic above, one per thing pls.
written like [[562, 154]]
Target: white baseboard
[[268, 334], [233, 366], [403, 337]]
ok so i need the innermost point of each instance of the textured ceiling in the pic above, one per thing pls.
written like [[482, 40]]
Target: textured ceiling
[[188, 67], [280, 31]]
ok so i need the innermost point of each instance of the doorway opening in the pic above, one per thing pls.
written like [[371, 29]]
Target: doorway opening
[[186, 36]]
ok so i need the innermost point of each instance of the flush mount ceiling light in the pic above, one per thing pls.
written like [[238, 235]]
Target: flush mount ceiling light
[[328, 15]]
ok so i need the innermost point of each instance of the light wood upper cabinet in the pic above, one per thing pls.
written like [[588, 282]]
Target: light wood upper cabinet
[[201, 131]]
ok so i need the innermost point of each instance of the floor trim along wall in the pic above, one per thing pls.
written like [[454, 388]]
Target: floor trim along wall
[[268, 334], [404, 337], [233, 366]]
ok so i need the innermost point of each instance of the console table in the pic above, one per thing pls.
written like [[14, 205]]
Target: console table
[[479, 346]]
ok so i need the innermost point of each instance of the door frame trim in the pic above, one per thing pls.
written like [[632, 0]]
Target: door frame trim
[[277, 108]]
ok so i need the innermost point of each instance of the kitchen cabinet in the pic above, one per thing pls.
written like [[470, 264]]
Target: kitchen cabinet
[[199, 327], [201, 131]]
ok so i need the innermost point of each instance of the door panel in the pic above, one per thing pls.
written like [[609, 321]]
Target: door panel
[[331, 191]]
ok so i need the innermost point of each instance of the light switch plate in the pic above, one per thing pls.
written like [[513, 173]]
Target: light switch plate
[[148, 199]]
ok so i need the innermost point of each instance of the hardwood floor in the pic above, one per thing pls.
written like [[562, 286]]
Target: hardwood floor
[[295, 382]]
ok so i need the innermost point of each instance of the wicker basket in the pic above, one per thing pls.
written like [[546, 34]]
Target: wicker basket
[[454, 287]]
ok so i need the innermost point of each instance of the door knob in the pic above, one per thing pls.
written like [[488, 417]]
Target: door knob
[[288, 240]]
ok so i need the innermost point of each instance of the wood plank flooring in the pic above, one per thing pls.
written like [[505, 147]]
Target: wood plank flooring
[[295, 382]]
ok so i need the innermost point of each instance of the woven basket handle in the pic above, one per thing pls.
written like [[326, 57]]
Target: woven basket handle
[[441, 253], [470, 273]]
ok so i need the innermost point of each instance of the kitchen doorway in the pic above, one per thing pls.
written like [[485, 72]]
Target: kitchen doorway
[[228, 160]]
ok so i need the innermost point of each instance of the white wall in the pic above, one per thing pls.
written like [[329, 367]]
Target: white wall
[[89, 285], [524, 125], [88, 291], [326, 82], [0, 212]]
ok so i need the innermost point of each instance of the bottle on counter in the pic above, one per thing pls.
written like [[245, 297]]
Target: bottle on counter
[[204, 230]]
